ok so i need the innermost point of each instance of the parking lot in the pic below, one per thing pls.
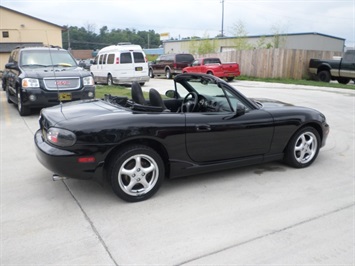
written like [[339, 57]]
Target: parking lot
[[268, 214]]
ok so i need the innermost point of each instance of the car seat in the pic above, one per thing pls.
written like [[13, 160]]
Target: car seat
[[137, 93], [156, 100]]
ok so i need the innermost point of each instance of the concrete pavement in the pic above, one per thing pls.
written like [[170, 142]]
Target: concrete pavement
[[268, 214]]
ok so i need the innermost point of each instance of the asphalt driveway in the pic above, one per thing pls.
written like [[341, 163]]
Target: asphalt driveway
[[268, 214]]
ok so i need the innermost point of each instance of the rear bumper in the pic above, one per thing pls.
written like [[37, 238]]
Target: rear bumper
[[65, 163]]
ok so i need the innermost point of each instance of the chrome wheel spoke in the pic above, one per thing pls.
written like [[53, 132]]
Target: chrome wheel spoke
[[138, 175], [305, 147]]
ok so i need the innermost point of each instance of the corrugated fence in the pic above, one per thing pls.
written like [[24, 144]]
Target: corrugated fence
[[274, 63]]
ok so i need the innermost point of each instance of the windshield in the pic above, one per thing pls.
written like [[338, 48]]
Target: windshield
[[47, 58], [211, 90]]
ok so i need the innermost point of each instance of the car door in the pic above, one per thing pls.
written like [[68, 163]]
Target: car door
[[96, 69], [222, 135]]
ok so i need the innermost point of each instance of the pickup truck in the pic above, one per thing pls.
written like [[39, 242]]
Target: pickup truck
[[214, 66], [342, 70]]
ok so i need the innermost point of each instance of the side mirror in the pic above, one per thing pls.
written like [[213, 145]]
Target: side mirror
[[11, 65], [240, 110], [171, 94]]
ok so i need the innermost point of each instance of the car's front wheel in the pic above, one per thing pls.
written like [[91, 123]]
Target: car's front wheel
[[23, 110], [7, 94], [136, 173], [303, 148]]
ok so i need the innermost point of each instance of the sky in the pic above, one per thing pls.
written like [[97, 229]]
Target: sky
[[203, 18]]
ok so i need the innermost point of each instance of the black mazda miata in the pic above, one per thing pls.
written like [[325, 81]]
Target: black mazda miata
[[201, 125]]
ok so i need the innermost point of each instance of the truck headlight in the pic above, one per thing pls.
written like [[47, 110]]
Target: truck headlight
[[88, 81], [30, 83]]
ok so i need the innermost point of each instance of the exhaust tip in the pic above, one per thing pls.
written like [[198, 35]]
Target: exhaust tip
[[56, 177]]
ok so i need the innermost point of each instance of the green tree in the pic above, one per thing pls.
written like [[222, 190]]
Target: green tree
[[202, 46], [86, 38], [241, 41], [279, 37]]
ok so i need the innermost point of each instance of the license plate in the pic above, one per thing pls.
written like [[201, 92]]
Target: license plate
[[139, 68], [64, 96]]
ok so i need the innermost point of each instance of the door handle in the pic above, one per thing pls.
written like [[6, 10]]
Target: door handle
[[203, 127]]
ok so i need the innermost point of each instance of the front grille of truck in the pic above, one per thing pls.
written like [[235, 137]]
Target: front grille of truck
[[58, 84]]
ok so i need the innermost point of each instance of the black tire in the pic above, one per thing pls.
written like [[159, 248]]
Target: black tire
[[136, 173], [93, 78], [23, 110], [141, 83], [3, 84], [229, 79], [151, 74], [109, 80], [7, 93], [209, 73], [343, 80], [303, 148], [324, 76], [168, 74]]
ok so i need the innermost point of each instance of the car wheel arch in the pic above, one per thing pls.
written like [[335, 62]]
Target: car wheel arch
[[316, 126], [153, 144], [303, 147]]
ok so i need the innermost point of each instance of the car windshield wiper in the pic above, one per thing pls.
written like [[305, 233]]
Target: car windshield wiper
[[35, 65], [63, 65]]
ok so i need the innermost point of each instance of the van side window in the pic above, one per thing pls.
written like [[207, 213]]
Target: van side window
[[111, 59], [101, 59], [138, 57], [126, 58], [96, 60], [104, 60]]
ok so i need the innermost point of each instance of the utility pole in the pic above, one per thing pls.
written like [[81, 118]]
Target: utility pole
[[222, 34]]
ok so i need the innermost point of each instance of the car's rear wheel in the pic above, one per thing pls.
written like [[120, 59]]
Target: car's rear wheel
[[229, 79], [168, 74], [303, 148], [109, 80], [136, 173], [151, 74], [23, 110], [324, 76]]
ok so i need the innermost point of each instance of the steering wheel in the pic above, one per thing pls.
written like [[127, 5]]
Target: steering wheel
[[189, 105]]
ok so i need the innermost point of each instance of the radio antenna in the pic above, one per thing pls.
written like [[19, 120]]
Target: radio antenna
[[54, 72]]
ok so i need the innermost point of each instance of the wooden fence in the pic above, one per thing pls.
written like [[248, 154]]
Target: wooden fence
[[274, 63]]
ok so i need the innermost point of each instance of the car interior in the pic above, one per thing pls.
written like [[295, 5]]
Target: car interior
[[213, 99]]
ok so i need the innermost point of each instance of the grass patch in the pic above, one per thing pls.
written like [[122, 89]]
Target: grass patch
[[116, 90]]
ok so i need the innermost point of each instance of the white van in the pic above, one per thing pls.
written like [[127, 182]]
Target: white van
[[120, 64]]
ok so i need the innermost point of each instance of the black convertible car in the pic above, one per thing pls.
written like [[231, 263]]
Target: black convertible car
[[203, 125]]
